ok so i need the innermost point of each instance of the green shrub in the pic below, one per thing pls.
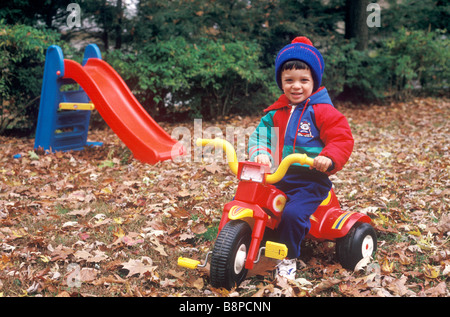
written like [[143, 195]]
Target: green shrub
[[22, 61], [418, 59], [209, 78], [405, 64], [153, 70]]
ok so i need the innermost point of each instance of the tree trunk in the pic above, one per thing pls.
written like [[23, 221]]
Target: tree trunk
[[105, 35], [355, 22], [119, 24]]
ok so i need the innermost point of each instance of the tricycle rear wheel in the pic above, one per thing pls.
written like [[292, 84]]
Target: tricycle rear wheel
[[229, 255], [360, 242]]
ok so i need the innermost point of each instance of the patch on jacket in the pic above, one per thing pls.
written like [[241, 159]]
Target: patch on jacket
[[305, 129]]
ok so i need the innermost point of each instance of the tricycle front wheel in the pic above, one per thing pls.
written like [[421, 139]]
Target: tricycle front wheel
[[360, 242], [229, 255]]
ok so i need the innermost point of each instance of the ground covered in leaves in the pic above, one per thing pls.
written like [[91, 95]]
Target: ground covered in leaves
[[99, 223]]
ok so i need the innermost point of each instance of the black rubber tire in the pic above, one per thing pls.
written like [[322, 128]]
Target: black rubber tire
[[234, 235], [349, 249]]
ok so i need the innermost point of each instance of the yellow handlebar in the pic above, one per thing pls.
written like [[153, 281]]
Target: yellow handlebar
[[229, 150], [303, 159]]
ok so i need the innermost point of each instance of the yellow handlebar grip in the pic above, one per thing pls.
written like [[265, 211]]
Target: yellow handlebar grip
[[309, 161], [188, 263]]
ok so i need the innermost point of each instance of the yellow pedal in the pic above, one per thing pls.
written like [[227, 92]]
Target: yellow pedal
[[188, 263], [276, 250]]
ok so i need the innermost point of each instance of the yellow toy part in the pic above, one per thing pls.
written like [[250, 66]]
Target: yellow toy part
[[276, 250], [188, 263], [237, 212], [76, 106], [229, 151], [340, 221], [302, 159], [326, 200]]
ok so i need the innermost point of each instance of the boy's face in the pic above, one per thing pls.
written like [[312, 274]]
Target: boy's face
[[297, 84]]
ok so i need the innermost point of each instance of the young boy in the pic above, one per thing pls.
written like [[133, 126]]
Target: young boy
[[302, 120]]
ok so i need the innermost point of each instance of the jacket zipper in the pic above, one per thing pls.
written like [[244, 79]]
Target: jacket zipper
[[298, 124]]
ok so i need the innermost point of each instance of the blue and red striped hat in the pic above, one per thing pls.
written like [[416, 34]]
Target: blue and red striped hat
[[301, 48]]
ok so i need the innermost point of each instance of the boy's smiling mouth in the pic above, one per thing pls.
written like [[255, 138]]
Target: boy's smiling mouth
[[296, 94]]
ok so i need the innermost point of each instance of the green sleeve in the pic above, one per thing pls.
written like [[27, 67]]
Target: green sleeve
[[260, 141]]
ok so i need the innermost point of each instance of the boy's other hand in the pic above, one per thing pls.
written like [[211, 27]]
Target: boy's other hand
[[322, 163], [263, 159]]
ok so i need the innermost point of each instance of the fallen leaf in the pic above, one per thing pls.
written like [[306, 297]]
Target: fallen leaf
[[213, 168], [69, 224], [82, 255], [118, 220], [439, 290], [362, 263], [387, 267], [130, 241], [398, 287], [80, 212], [84, 236], [88, 274], [45, 258], [431, 271], [19, 233], [158, 246], [137, 267], [199, 228], [119, 233], [79, 195], [198, 283], [325, 284]]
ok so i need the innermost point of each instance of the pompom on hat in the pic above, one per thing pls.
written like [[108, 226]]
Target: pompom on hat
[[301, 48]]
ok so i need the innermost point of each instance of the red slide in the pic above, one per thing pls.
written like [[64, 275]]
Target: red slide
[[119, 108]]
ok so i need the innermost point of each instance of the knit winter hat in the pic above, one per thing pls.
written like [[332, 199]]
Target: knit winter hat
[[301, 49]]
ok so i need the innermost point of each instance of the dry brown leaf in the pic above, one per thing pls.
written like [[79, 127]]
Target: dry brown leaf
[[439, 290], [398, 287], [88, 274], [137, 267], [325, 284]]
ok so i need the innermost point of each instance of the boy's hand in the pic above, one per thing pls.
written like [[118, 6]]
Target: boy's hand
[[322, 163], [263, 159]]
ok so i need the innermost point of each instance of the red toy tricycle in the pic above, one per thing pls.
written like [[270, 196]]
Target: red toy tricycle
[[258, 205]]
